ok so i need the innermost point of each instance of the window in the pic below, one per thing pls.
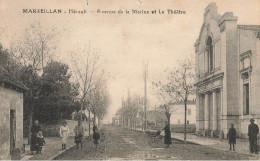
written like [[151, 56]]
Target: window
[[245, 63], [179, 121], [189, 111], [246, 99], [209, 54], [245, 60], [188, 122]]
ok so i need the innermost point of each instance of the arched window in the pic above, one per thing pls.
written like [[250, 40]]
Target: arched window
[[209, 54]]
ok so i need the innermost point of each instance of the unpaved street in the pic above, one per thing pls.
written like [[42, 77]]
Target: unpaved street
[[120, 144]]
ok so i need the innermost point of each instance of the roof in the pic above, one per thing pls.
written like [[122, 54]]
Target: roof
[[249, 27], [6, 78]]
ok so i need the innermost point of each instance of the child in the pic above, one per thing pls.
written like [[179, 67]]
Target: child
[[96, 137], [40, 142], [232, 137]]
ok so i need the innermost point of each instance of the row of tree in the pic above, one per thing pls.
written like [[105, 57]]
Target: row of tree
[[55, 89], [130, 109]]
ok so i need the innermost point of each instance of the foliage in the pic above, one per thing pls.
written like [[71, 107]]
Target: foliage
[[57, 95]]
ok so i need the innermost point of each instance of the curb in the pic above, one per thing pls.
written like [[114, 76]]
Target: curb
[[187, 142]]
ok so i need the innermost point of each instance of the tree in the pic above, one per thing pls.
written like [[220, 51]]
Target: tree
[[8, 63], [166, 97], [87, 71], [58, 95], [32, 53], [100, 101], [130, 108], [181, 84], [178, 86]]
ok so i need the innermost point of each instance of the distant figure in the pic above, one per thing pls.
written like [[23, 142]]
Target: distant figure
[[167, 134], [94, 128], [40, 142], [34, 131], [96, 137], [253, 131], [79, 133], [232, 133], [64, 134]]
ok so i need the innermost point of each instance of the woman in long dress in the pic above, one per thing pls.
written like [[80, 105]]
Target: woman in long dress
[[34, 131], [64, 134], [167, 133]]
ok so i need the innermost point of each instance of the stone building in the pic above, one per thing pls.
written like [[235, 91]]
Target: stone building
[[227, 74], [11, 115], [178, 115]]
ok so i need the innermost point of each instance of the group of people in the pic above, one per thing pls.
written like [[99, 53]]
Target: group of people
[[253, 131], [37, 139]]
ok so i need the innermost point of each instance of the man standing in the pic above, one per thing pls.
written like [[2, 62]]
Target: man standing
[[253, 131], [79, 133]]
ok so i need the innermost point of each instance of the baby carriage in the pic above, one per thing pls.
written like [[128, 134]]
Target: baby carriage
[[154, 135]]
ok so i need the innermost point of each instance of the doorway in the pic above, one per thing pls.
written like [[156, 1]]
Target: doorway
[[12, 130]]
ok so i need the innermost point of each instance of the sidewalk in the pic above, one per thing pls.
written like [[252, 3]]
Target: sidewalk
[[242, 145], [51, 149]]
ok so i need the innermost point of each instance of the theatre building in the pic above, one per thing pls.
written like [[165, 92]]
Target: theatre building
[[227, 74]]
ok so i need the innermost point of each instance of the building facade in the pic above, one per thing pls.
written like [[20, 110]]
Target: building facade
[[177, 116], [227, 74], [11, 115]]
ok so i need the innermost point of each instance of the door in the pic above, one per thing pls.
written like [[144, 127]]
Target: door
[[12, 129]]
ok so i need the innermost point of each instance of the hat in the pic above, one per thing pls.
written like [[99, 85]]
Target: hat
[[252, 120]]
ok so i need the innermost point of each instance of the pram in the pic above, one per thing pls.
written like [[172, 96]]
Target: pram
[[155, 135]]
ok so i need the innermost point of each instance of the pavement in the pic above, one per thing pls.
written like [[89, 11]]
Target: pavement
[[242, 145], [51, 149]]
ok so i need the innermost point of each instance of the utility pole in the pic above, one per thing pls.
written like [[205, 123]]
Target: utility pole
[[145, 95], [123, 112]]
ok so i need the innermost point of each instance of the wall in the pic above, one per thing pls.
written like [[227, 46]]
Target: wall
[[179, 114], [10, 99], [248, 41]]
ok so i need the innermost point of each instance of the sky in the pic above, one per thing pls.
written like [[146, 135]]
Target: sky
[[126, 41]]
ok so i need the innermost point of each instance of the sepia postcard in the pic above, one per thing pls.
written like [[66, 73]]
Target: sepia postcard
[[129, 79]]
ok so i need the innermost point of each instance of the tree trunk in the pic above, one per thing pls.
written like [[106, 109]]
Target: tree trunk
[[185, 119], [89, 122], [30, 126]]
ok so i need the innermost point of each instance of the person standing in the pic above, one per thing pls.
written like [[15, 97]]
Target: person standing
[[40, 142], [64, 134], [94, 128], [232, 134], [79, 133], [167, 134], [96, 137], [253, 131], [34, 131]]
